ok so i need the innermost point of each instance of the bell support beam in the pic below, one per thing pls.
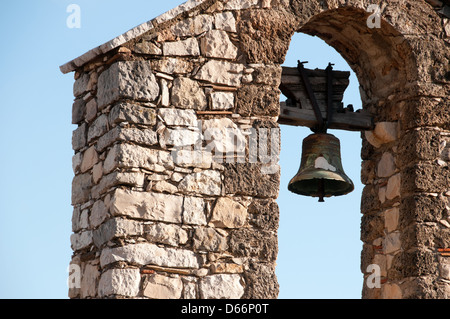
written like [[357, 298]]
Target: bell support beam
[[346, 120]]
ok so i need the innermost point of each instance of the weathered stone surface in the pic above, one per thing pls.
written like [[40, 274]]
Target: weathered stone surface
[[172, 235], [391, 219], [194, 211], [225, 21], [209, 239], [116, 227], [187, 94], [122, 282], [223, 286], [240, 4], [254, 243], [222, 100], [127, 79], [206, 182], [221, 72], [120, 134], [171, 65], [193, 26], [265, 35], [261, 281], [392, 242], [163, 287], [89, 280], [247, 179], [228, 213], [99, 213], [80, 85], [145, 253], [421, 208], [135, 179], [425, 177], [386, 166], [416, 145], [147, 47], [384, 132], [223, 137], [132, 113], [264, 214], [78, 111], [195, 158], [258, 100], [149, 206], [91, 110], [188, 47], [178, 117], [90, 158], [127, 155], [393, 186], [81, 240], [79, 136], [81, 188], [217, 44], [98, 128], [180, 137]]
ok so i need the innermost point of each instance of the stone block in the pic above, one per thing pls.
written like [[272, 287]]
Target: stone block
[[217, 44], [228, 213], [168, 234], [418, 145], [98, 128], [80, 85], [209, 239], [193, 26], [148, 206], [221, 72], [128, 156], [425, 177], [90, 158], [81, 188], [259, 244], [206, 182], [254, 100], [132, 113], [248, 180], [225, 21], [79, 136], [393, 186], [264, 214], [146, 253], [222, 286], [187, 47], [386, 166], [89, 279], [119, 282], [116, 178], [127, 79], [99, 213], [372, 227], [78, 111], [163, 287], [187, 94], [91, 110], [261, 281], [178, 117], [116, 228], [222, 100], [81, 240], [194, 211], [421, 208]]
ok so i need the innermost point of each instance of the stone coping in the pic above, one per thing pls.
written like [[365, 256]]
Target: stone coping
[[129, 35]]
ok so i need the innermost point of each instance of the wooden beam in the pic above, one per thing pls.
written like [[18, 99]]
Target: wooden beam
[[349, 121]]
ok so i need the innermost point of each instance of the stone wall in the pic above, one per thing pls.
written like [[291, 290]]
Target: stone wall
[[166, 207]]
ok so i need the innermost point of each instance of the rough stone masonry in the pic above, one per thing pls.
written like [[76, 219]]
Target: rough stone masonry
[[151, 222]]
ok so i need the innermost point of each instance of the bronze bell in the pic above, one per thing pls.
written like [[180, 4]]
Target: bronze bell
[[321, 173]]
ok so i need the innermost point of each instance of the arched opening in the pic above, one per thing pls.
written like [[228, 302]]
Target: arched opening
[[328, 237]]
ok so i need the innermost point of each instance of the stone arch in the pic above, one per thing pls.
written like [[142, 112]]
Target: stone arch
[[140, 93]]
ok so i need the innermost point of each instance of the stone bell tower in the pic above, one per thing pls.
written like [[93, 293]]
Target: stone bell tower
[[177, 141]]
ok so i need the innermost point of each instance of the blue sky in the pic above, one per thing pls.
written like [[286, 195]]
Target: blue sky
[[319, 243]]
